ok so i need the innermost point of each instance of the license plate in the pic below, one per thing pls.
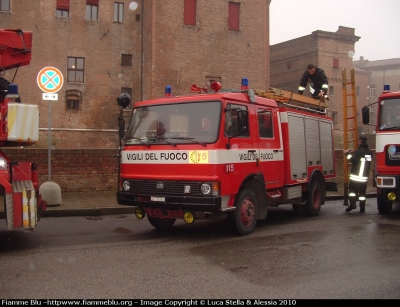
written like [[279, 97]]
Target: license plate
[[153, 198]]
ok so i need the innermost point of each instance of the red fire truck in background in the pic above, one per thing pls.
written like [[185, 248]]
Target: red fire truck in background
[[216, 152], [387, 162], [19, 126]]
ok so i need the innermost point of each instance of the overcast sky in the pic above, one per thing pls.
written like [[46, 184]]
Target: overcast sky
[[376, 22]]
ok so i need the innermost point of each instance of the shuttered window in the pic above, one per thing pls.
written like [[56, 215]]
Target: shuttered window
[[233, 16], [126, 59], [335, 64], [5, 5], [62, 8], [189, 12]]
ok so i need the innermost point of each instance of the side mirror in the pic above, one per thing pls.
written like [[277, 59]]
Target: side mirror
[[124, 100], [365, 115]]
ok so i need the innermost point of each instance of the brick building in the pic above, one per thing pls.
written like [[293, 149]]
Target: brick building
[[331, 51], [104, 48]]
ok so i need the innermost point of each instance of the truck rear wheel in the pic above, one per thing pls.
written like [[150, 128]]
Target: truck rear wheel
[[384, 207], [243, 220], [314, 201], [161, 223]]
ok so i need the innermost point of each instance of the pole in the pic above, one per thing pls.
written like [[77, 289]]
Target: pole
[[49, 143]]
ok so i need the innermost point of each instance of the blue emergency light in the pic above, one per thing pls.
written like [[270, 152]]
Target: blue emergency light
[[13, 89], [386, 88], [245, 84], [168, 91]]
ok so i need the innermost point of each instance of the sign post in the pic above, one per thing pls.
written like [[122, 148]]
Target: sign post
[[50, 80]]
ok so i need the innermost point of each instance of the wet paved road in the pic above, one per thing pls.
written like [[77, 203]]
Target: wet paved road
[[334, 255]]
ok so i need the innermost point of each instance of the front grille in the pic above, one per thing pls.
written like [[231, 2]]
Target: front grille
[[149, 187]]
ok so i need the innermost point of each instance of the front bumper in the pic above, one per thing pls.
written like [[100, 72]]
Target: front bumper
[[192, 203]]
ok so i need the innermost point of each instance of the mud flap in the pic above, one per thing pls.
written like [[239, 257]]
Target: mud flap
[[9, 211], [21, 206], [29, 209]]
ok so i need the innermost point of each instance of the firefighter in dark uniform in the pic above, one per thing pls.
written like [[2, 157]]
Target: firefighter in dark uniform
[[360, 160], [317, 79]]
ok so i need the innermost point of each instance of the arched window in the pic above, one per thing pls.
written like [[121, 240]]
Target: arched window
[[73, 99]]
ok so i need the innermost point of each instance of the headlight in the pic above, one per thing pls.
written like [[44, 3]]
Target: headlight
[[392, 150], [3, 164], [205, 188], [210, 188], [126, 185]]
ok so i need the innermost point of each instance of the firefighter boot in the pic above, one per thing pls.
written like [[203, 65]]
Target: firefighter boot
[[362, 206], [352, 206]]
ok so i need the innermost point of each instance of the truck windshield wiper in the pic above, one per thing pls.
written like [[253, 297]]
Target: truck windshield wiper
[[189, 139], [157, 139], [141, 140]]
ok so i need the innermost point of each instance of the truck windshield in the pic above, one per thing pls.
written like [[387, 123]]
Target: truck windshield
[[181, 123], [389, 118]]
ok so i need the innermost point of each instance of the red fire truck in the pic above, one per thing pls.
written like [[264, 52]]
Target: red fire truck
[[19, 126], [232, 153], [387, 162]]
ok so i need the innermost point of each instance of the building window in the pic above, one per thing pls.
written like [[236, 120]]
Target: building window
[[126, 59], [76, 69], [73, 99], [5, 5], [357, 91], [233, 16], [62, 8], [127, 90], [331, 90], [92, 9], [289, 65], [372, 91], [335, 64], [189, 12], [210, 79], [334, 117], [118, 12]]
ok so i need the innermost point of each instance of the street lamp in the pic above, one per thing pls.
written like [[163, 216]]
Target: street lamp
[[133, 5]]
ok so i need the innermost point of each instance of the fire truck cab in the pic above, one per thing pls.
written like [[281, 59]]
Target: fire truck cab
[[236, 153], [387, 162]]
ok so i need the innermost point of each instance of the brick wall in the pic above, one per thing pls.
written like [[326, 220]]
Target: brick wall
[[74, 170], [80, 170]]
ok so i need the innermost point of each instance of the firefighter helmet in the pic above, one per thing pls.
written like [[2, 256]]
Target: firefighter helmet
[[363, 139]]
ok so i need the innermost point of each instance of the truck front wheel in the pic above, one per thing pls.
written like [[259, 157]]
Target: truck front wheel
[[242, 221], [161, 224], [384, 207]]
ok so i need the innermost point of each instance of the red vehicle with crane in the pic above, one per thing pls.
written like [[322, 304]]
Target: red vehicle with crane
[[387, 161], [19, 126], [220, 153]]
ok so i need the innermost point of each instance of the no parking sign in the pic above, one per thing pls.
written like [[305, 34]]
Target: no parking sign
[[50, 80]]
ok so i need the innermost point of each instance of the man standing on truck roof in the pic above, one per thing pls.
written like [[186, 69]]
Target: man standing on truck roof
[[360, 160], [317, 80]]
